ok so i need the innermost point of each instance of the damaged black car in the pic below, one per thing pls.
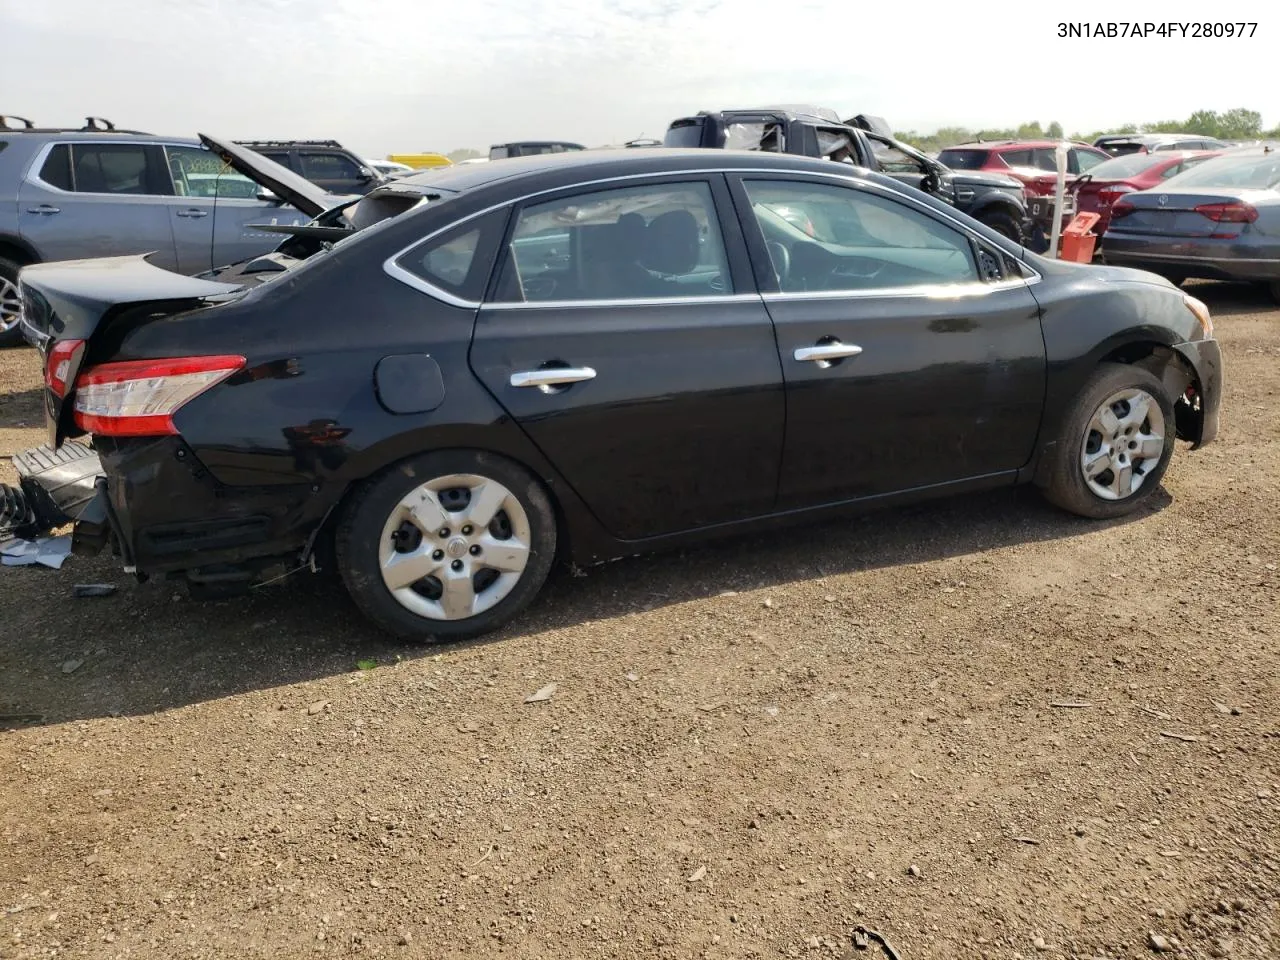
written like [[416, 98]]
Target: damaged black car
[[474, 371]]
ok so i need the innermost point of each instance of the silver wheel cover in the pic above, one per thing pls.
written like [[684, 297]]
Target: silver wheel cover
[[1123, 444], [10, 305], [454, 547]]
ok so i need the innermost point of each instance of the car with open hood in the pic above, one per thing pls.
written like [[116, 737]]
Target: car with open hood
[[565, 356], [68, 194]]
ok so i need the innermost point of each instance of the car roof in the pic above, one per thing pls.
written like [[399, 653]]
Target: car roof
[[608, 163]]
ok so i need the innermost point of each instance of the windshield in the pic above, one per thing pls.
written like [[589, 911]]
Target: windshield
[[1257, 172], [684, 133], [1121, 148], [963, 159], [1128, 166]]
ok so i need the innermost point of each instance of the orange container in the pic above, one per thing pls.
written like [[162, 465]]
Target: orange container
[[1078, 239]]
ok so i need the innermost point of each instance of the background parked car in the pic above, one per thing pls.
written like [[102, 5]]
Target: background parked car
[[1106, 183], [1219, 221], [389, 168], [811, 131], [1032, 162], [96, 191], [326, 163], [1120, 144], [531, 148]]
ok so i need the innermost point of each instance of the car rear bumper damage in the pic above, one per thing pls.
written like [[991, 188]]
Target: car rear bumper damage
[[158, 508]]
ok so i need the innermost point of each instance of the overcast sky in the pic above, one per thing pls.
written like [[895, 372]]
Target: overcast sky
[[413, 75]]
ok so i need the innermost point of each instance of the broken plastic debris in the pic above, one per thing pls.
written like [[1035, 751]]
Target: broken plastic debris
[[94, 589], [546, 693], [46, 551]]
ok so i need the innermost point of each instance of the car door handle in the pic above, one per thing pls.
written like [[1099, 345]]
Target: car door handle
[[827, 351], [552, 377], [46, 209], [193, 213]]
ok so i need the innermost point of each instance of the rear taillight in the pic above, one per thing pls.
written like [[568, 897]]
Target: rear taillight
[[1234, 212], [138, 398], [1121, 208], [1109, 195], [58, 366]]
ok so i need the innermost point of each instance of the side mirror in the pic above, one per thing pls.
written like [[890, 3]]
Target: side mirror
[[366, 174], [266, 196]]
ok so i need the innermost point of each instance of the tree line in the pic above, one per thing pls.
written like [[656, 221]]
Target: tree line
[[1237, 124]]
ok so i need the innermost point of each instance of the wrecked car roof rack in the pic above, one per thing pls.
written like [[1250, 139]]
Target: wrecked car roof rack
[[91, 125], [289, 143]]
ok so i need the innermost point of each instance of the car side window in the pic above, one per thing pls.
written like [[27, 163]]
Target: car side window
[[657, 241], [198, 172], [893, 159], [1017, 158], [1085, 160], [1046, 158], [458, 261], [56, 170], [123, 168], [823, 237], [328, 166]]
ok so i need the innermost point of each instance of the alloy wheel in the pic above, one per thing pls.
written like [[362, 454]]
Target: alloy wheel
[[10, 304], [1123, 444], [455, 547]]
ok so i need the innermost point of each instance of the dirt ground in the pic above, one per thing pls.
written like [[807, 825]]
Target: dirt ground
[[981, 728]]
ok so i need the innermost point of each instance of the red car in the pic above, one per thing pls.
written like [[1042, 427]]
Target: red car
[[1031, 161], [1099, 189]]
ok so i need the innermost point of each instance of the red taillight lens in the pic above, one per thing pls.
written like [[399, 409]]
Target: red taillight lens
[[138, 398], [58, 366], [1228, 212], [1121, 208], [1109, 195]]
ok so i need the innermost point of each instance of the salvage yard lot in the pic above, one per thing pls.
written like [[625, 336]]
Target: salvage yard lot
[[980, 727]]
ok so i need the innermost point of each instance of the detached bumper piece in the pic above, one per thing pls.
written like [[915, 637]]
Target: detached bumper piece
[[56, 487]]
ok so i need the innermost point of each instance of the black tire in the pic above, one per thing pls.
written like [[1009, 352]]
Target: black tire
[[11, 337], [1177, 279], [1065, 485], [359, 537], [1002, 223], [1274, 287]]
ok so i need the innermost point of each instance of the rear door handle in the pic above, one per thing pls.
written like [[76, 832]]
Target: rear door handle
[[193, 213], [552, 377], [46, 209], [827, 351]]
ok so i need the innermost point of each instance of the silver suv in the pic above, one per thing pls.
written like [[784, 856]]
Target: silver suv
[[101, 192]]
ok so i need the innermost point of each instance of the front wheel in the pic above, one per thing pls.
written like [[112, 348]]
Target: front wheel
[[447, 545], [1115, 443], [1003, 223]]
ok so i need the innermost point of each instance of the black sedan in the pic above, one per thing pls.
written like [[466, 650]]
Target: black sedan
[[587, 356]]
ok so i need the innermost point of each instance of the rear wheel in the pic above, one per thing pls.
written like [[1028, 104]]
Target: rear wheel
[[448, 545], [1116, 442], [10, 334], [1002, 223]]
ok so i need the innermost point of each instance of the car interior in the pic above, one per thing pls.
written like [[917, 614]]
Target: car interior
[[818, 241]]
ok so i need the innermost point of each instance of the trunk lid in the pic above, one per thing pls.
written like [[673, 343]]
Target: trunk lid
[[1172, 213], [64, 305], [284, 183]]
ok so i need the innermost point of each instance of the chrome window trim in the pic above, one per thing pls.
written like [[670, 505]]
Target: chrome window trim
[[33, 171], [848, 175], [698, 299], [930, 291]]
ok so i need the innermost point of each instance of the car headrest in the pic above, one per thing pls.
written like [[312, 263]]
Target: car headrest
[[671, 243]]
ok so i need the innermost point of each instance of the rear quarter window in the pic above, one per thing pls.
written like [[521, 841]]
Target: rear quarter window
[[56, 169]]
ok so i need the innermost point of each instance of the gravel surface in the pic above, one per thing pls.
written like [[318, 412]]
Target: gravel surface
[[981, 728]]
